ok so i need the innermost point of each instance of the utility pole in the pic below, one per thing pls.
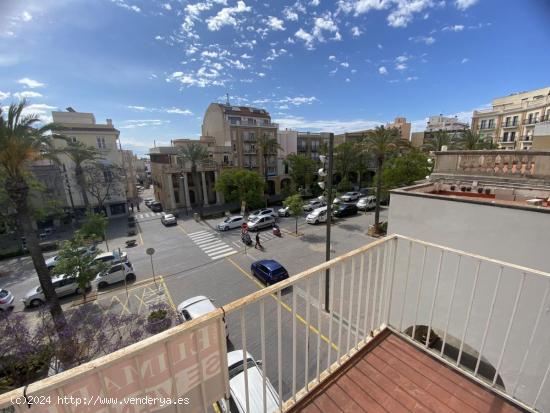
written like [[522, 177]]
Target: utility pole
[[328, 186]]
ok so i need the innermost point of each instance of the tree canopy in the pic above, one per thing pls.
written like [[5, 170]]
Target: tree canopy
[[404, 170], [301, 170], [239, 185]]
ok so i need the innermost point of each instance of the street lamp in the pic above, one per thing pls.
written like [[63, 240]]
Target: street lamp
[[328, 186]]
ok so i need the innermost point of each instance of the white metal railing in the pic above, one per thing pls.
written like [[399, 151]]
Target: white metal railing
[[487, 318]]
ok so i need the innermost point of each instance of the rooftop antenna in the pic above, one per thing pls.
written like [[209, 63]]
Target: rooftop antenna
[[227, 99]]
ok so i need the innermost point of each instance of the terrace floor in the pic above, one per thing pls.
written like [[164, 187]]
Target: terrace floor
[[392, 375]]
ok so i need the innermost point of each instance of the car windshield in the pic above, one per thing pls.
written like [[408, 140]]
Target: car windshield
[[255, 212], [238, 368], [256, 219], [228, 219], [3, 293]]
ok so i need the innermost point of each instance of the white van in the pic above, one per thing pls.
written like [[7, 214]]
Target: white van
[[318, 215], [366, 203], [237, 398]]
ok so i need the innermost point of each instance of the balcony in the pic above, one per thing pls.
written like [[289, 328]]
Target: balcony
[[510, 124], [254, 124], [487, 127], [419, 323]]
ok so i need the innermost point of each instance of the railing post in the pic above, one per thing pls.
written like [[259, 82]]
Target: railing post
[[434, 297], [262, 337], [406, 287], [451, 304], [245, 360], [390, 290], [468, 314], [419, 290], [359, 299]]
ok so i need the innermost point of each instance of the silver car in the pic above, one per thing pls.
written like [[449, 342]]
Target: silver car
[[261, 222], [168, 219], [6, 300], [234, 221], [63, 286], [262, 213]]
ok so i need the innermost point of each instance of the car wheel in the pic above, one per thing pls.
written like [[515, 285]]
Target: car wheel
[[287, 214], [316, 221], [130, 277], [35, 303], [78, 291], [102, 284]]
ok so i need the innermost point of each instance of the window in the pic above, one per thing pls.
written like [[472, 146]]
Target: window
[[186, 316], [234, 120], [101, 142], [515, 121], [491, 123], [483, 124], [115, 268], [507, 123], [108, 176], [512, 136], [505, 137]]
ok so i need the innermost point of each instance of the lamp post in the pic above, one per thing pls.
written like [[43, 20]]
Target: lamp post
[[328, 186]]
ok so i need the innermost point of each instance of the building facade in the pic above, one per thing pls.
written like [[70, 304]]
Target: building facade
[[447, 124], [511, 121], [82, 127], [402, 126], [541, 136]]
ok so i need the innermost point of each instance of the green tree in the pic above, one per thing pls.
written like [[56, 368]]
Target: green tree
[[21, 142], [80, 153], [77, 261], [437, 140], [471, 141], [268, 146], [404, 170], [345, 160], [238, 185], [294, 203], [94, 227], [195, 153], [301, 169], [381, 142]]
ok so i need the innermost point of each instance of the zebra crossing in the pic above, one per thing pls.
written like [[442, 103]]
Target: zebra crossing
[[147, 215], [211, 245]]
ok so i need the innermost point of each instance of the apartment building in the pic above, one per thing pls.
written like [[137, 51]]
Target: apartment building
[[541, 136], [354, 137], [511, 121], [82, 127], [447, 124], [173, 181], [239, 128], [402, 126]]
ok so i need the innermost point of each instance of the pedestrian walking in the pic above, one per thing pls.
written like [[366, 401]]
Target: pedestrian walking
[[258, 245]]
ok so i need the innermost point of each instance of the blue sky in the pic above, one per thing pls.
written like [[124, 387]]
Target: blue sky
[[154, 66]]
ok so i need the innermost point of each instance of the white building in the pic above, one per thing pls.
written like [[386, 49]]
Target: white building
[[445, 123], [82, 127]]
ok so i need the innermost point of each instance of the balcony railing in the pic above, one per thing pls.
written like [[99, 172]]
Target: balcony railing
[[483, 317], [510, 124], [531, 121], [254, 124], [487, 127]]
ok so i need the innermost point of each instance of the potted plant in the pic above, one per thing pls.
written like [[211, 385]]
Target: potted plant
[[159, 319]]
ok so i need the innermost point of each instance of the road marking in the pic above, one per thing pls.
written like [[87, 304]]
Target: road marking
[[219, 246], [206, 241], [182, 229], [226, 254], [211, 245], [198, 232], [167, 292], [201, 236], [285, 305]]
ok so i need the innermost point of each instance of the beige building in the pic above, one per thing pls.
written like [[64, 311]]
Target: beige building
[[446, 124], [82, 127], [239, 128], [354, 137], [129, 163], [172, 179], [541, 136], [402, 126], [511, 121], [417, 139]]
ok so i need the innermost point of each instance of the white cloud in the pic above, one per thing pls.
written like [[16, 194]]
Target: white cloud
[[299, 100], [124, 5], [348, 79], [356, 31], [306, 37], [344, 64], [382, 70], [261, 74], [400, 66], [226, 16], [422, 39], [454, 28], [464, 4], [172, 110], [167, 6], [27, 94], [274, 54], [379, 46], [158, 37], [411, 78], [26, 16], [245, 56], [321, 25], [402, 58], [332, 58], [275, 24], [30, 83], [139, 123], [464, 60], [290, 14], [4, 95], [178, 111], [402, 15], [315, 3], [333, 125]]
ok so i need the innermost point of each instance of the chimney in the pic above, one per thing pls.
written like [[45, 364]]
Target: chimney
[[110, 122]]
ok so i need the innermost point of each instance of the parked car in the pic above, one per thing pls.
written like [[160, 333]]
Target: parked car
[[269, 271], [149, 201], [313, 204], [112, 257], [118, 272], [52, 261], [156, 206], [231, 222], [255, 382], [317, 216], [284, 212], [350, 196], [366, 203], [168, 219], [337, 201], [262, 213], [260, 222], [6, 300], [63, 287], [345, 210], [196, 307]]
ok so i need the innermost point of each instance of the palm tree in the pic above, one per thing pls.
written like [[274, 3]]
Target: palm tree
[[20, 144], [268, 146], [380, 142], [472, 141], [436, 141], [79, 153], [195, 153]]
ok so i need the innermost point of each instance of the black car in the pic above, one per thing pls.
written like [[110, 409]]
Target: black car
[[345, 210], [156, 207]]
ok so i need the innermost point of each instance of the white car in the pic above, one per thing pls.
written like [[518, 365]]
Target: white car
[[284, 212], [118, 272], [234, 221], [262, 213], [63, 286], [317, 216], [350, 196], [255, 382], [366, 203], [112, 257], [313, 204], [261, 222], [52, 262], [168, 219], [195, 307], [6, 300]]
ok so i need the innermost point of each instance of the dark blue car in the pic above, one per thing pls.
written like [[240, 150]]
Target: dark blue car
[[269, 271]]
